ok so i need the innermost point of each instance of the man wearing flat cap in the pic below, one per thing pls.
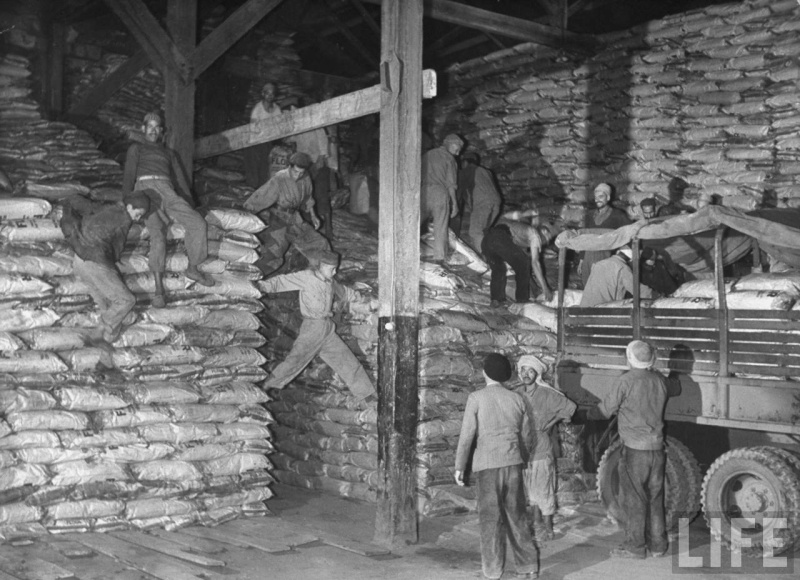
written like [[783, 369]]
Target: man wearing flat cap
[[497, 417], [284, 195], [546, 406], [638, 399], [317, 334], [438, 195], [605, 216]]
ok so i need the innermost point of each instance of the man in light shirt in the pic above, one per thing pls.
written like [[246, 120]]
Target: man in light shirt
[[317, 336], [257, 158]]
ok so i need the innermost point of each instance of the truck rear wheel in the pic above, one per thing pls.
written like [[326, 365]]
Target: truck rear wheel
[[681, 483], [750, 490]]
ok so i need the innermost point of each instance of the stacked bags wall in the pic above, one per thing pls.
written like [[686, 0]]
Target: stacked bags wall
[[707, 97], [166, 429]]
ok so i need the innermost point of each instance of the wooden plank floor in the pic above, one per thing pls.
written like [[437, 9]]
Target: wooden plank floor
[[236, 549]]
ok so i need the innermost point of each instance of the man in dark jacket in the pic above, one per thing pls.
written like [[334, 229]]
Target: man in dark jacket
[[498, 418], [639, 399], [151, 165], [96, 232]]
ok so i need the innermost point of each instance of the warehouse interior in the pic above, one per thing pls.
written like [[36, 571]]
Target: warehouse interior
[[169, 438]]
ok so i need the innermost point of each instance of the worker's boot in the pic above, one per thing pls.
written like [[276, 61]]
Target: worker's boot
[[200, 277]]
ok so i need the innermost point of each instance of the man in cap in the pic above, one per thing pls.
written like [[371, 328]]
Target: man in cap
[[605, 216], [612, 280], [315, 144], [284, 195], [546, 406], [638, 399], [257, 157], [317, 334], [438, 194], [96, 232], [506, 243], [151, 165], [497, 417], [478, 198]]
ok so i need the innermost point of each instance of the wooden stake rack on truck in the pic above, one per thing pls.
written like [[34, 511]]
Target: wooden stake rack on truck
[[739, 370]]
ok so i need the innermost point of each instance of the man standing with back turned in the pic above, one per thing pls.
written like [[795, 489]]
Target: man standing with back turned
[[438, 194], [639, 399], [497, 417]]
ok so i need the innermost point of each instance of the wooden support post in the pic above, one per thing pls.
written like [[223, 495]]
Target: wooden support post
[[636, 313], [398, 270], [162, 50], [179, 93], [562, 284], [54, 83]]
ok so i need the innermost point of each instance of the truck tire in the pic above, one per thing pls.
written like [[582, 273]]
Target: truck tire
[[691, 477], [753, 483], [794, 462], [681, 483]]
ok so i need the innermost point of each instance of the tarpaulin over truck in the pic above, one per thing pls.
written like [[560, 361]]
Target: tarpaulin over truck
[[689, 238]]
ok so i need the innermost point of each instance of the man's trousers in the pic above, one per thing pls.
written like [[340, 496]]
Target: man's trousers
[[641, 480], [318, 336], [501, 514]]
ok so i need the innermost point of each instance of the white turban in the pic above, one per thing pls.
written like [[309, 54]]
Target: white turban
[[533, 362], [640, 354]]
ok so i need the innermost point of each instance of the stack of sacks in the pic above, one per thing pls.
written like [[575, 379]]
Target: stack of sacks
[[325, 440], [166, 429], [753, 292], [44, 158]]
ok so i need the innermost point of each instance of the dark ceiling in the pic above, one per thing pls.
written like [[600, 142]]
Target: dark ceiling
[[342, 37]]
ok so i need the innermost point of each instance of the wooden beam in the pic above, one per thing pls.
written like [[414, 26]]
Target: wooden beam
[[496, 41], [109, 86], [463, 45], [398, 271], [151, 37], [517, 28], [229, 32], [343, 108], [443, 40], [54, 83], [362, 50], [367, 16], [179, 93]]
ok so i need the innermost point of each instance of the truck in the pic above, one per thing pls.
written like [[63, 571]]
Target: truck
[[736, 375]]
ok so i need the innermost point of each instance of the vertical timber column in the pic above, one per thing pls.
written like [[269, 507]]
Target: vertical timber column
[[398, 270], [56, 48], [179, 105]]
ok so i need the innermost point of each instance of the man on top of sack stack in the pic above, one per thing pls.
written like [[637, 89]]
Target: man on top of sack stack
[[151, 165]]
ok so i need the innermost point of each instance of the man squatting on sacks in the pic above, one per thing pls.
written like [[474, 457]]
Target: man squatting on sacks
[[96, 232], [317, 334], [151, 165], [498, 418], [546, 406]]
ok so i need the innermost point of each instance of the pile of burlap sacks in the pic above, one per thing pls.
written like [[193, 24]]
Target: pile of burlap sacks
[[165, 429]]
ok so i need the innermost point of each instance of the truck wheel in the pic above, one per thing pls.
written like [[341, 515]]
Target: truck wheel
[[794, 462], [677, 500], [751, 489], [691, 478]]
